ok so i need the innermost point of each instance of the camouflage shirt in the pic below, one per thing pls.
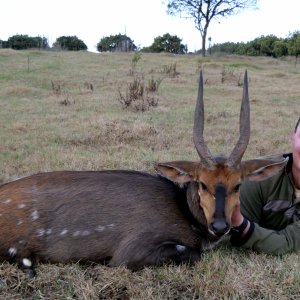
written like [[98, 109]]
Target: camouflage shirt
[[274, 211]]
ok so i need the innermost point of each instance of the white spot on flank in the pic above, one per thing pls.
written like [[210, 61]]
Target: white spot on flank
[[63, 232], [26, 262], [76, 233], [85, 233], [12, 251], [180, 248], [40, 232], [49, 231], [21, 205], [19, 222], [99, 228], [7, 201], [34, 215], [21, 242]]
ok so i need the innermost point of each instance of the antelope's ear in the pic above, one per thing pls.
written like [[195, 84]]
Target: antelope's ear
[[177, 171], [264, 167]]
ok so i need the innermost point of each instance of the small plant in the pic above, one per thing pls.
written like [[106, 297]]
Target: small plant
[[229, 74], [135, 59], [56, 87], [138, 96], [240, 80], [61, 93], [153, 85], [89, 86], [135, 91], [171, 70], [65, 102]]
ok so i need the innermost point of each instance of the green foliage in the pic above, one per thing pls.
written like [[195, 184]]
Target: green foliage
[[118, 42], [135, 59], [203, 11], [4, 44], [228, 47], [280, 48], [294, 44], [20, 42], [167, 43], [72, 43], [263, 45], [268, 45]]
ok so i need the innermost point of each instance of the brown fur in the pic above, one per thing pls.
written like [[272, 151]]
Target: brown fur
[[123, 217]]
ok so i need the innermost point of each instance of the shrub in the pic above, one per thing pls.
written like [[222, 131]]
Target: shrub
[[167, 43], [139, 97], [118, 42], [72, 43]]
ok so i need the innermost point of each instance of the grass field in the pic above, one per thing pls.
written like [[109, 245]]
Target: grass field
[[60, 111]]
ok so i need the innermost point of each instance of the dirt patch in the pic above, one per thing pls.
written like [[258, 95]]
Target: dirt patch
[[121, 132]]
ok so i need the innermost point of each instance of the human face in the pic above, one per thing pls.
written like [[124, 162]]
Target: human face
[[296, 149]]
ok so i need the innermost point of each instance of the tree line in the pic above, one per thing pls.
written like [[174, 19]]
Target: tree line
[[23, 41], [202, 12], [119, 42], [269, 45]]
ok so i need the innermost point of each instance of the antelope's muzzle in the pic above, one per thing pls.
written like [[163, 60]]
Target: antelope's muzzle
[[219, 226]]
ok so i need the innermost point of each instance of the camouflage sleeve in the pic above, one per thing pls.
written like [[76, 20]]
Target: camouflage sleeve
[[262, 239], [275, 242], [252, 200]]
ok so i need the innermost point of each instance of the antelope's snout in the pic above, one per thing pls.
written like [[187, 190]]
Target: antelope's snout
[[217, 206], [219, 227]]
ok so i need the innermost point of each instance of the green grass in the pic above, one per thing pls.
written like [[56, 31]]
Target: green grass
[[93, 131], [243, 65]]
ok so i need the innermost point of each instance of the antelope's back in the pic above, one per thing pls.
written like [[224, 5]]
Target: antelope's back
[[65, 216]]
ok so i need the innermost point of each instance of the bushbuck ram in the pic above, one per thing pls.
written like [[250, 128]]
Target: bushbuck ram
[[126, 217]]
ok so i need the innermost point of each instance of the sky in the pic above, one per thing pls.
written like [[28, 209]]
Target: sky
[[141, 20]]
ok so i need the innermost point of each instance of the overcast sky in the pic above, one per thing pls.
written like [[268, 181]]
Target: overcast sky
[[141, 20]]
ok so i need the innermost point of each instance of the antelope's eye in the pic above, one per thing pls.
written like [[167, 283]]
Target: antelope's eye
[[203, 186], [237, 188]]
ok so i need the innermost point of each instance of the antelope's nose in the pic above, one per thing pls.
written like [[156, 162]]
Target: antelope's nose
[[219, 227]]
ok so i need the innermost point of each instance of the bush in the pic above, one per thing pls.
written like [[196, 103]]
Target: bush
[[72, 43], [268, 45], [135, 59], [280, 48], [167, 43], [139, 97], [119, 42], [20, 42], [294, 44]]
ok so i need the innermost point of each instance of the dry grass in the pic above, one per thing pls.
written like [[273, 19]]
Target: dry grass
[[93, 131]]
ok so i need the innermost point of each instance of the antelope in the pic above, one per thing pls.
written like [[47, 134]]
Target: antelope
[[130, 218]]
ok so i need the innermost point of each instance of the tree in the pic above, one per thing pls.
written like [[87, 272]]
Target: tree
[[262, 46], [20, 42], [280, 48], [204, 11], [267, 45], [167, 43], [72, 43], [118, 42], [294, 44]]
